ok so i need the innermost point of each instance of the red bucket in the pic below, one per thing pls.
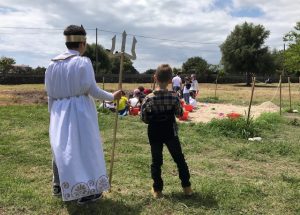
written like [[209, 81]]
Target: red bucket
[[185, 115], [233, 115], [188, 108], [182, 103], [134, 111]]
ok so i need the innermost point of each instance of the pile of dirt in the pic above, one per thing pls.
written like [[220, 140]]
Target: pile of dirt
[[207, 111], [268, 105]]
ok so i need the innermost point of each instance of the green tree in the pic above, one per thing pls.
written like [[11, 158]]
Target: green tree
[[104, 64], [127, 64], [243, 51], [214, 69], [39, 70], [176, 70], [277, 58], [195, 65], [150, 71], [6, 64], [292, 54]]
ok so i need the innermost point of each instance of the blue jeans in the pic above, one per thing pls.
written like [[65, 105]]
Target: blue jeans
[[186, 98]]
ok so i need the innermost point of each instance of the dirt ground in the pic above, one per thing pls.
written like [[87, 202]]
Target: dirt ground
[[205, 112], [13, 97]]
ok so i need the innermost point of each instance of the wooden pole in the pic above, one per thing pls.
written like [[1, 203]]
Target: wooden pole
[[103, 89], [117, 113], [251, 98], [280, 88], [216, 86], [153, 86], [96, 50], [290, 95], [280, 95]]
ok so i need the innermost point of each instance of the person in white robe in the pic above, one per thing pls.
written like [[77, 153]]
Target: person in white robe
[[74, 133]]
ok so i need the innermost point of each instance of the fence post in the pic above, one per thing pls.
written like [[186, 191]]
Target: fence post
[[252, 92]]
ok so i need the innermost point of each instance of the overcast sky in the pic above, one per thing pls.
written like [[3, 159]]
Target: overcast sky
[[167, 31]]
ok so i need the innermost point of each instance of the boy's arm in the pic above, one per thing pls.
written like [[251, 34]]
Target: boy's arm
[[178, 108], [144, 108]]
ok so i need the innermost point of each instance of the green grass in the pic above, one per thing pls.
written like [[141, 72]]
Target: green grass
[[229, 174]]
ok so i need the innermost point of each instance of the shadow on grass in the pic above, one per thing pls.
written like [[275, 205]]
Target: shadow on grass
[[102, 206], [196, 200]]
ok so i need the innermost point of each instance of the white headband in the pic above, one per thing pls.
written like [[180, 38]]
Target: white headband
[[75, 38]]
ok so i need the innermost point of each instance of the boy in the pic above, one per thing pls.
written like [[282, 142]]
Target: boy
[[78, 160], [158, 111]]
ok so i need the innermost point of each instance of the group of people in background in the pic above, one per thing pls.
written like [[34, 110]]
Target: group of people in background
[[126, 104], [188, 90]]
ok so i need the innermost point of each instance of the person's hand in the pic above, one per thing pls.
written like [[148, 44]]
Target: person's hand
[[117, 95]]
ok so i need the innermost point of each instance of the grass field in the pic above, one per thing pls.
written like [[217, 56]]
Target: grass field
[[229, 174]]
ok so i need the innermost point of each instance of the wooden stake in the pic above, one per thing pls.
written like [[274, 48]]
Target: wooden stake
[[250, 104], [280, 95], [96, 50], [103, 89], [153, 88], [290, 95], [117, 113], [216, 86]]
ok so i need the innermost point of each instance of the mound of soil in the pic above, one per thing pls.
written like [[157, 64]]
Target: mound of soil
[[207, 111]]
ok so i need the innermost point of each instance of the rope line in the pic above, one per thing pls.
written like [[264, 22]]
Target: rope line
[[275, 92]]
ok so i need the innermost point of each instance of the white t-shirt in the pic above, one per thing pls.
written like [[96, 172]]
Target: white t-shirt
[[185, 90], [176, 81], [193, 102], [134, 102]]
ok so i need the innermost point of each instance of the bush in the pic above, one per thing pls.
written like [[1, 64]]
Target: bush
[[238, 128]]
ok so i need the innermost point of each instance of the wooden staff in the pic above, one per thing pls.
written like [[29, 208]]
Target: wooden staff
[[117, 112], [153, 88], [290, 95], [103, 82], [280, 95], [252, 92], [122, 56]]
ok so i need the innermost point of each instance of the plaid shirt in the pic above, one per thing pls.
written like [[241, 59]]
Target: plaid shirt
[[160, 106]]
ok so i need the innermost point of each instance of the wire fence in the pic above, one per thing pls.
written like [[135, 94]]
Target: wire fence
[[27, 78]]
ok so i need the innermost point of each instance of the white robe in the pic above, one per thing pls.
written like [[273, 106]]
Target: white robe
[[74, 133]]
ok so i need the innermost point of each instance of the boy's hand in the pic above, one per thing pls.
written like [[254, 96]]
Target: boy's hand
[[117, 95]]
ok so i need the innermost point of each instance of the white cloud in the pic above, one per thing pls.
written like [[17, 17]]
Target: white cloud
[[190, 20]]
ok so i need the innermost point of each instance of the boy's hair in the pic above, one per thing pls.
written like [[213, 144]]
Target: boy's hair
[[141, 88], [74, 30], [164, 73], [192, 94]]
